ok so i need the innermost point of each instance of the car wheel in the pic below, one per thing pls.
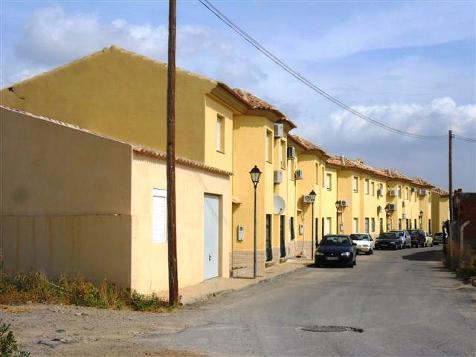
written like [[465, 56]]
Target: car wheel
[[354, 262]]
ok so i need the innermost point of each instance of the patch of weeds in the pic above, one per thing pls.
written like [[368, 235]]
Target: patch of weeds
[[74, 290], [140, 302], [8, 343]]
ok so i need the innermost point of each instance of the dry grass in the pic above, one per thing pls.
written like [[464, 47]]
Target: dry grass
[[35, 287]]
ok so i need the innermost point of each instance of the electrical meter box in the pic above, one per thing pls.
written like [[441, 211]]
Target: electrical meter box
[[240, 232]]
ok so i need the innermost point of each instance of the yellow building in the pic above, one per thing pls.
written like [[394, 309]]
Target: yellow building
[[422, 190], [122, 95], [317, 218], [361, 196], [73, 201], [260, 137], [439, 209]]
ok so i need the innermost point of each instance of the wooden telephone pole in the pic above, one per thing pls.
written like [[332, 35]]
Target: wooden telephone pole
[[450, 172], [171, 217]]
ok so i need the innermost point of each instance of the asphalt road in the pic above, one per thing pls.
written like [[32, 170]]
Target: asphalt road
[[404, 301]]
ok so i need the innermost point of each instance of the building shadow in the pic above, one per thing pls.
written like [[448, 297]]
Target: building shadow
[[427, 255]]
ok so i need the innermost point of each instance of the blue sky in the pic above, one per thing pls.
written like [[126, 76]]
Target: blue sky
[[410, 64]]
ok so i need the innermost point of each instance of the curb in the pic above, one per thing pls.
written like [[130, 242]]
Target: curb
[[224, 292]]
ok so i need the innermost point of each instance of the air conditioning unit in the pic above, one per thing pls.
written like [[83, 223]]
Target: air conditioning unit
[[392, 193], [291, 152], [422, 192], [299, 174], [278, 176], [379, 193], [307, 199], [278, 130], [390, 207]]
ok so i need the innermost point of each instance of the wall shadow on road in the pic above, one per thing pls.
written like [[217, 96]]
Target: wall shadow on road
[[427, 255]]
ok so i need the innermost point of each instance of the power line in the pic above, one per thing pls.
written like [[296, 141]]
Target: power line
[[464, 138], [311, 85]]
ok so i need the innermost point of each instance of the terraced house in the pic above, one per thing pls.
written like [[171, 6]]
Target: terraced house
[[85, 184], [316, 216], [121, 95], [260, 137], [360, 196]]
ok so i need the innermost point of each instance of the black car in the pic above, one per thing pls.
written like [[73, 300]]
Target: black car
[[418, 237], [389, 240], [336, 250]]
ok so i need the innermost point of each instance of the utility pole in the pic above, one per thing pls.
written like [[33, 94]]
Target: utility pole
[[450, 171], [171, 208], [450, 189]]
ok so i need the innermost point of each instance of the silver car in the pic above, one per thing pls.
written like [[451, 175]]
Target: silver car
[[405, 238], [364, 242]]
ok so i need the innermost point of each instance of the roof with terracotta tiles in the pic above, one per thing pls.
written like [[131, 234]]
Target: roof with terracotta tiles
[[420, 182], [356, 164], [257, 103], [136, 148], [307, 145], [440, 191]]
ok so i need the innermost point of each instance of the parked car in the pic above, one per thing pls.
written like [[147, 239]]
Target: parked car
[[389, 240], [428, 240], [404, 237], [336, 249], [439, 238], [364, 241], [418, 237]]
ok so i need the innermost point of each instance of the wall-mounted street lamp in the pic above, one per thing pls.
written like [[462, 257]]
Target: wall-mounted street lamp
[[420, 216], [255, 174], [388, 212], [337, 216], [312, 198]]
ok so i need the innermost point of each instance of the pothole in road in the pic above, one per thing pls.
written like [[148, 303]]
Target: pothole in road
[[330, 328]]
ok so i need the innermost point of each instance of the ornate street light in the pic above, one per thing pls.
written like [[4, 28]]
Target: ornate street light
[[312, 198], [255, 174]]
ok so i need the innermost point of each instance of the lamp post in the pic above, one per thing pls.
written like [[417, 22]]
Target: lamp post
[[337, 216], [312, 198], [388, 212], [255, 173]]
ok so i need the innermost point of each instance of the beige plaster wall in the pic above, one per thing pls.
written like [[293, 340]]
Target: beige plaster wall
[[65, 200], [149, 259]]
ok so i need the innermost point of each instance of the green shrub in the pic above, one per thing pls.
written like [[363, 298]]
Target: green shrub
[[8, 343]]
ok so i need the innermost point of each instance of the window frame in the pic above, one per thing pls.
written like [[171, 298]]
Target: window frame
[[269, 145], [220, 134]]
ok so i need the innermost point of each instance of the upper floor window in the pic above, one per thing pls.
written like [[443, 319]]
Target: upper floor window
[[372, 188], [269, 146], [355, 184], [317, 173], [367, 186], [284, 155], [220, 134], [407, 193], [399, 191], [329, 181], [323, 177]]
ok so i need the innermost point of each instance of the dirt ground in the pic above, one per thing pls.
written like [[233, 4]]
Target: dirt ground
[[80, 331]]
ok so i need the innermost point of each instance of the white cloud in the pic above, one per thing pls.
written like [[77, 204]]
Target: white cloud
[[53, 37], [433, 118]]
